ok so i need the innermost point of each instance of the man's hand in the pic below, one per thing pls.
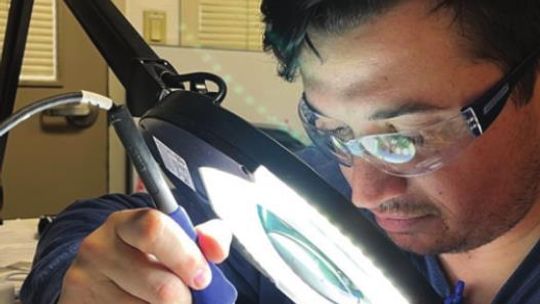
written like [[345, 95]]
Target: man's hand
[[143, 256]]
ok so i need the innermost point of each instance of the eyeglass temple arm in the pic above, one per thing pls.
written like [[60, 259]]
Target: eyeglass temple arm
[[481, 114]]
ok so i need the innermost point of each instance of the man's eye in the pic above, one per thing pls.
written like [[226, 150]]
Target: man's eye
[[342, 133], [391, 148], [390, 128]]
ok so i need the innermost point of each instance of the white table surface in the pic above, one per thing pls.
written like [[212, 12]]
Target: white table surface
[[18, 240]]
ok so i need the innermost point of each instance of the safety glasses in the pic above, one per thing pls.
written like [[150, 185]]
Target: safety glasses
[[416, 151]]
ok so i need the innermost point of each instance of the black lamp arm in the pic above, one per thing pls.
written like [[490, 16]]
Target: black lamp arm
[[136, 65]]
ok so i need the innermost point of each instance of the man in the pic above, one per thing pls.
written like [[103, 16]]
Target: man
[[384, 83]]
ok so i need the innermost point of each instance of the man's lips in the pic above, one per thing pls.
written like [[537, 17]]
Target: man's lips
[[397, 223]]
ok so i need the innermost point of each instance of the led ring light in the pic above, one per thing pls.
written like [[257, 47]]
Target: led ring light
[[299, 231]]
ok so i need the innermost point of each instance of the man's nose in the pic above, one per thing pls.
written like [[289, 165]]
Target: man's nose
[[371, 186]]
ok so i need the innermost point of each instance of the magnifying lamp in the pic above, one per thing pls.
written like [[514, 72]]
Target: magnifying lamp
[[304, 235], [300, 232]]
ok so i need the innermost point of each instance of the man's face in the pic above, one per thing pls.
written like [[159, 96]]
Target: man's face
[[411, 63]]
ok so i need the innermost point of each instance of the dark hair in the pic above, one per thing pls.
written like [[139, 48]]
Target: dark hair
[[501, 31]]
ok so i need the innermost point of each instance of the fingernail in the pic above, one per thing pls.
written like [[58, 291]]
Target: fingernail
[[202, 278]]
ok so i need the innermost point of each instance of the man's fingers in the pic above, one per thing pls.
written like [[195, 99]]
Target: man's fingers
[[142, 276], [103, 291], [214, 238], [155, 233]]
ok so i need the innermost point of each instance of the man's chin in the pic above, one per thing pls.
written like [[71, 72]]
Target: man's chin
[[418, 245]]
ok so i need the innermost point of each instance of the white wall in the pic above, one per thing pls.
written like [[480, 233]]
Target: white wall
[[255, 92]]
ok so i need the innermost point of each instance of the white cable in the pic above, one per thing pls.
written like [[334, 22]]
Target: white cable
[[84, 97]]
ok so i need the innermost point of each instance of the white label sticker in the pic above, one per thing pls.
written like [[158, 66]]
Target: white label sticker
[[175, 164]]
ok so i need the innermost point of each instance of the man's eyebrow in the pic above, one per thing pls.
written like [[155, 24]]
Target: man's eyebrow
[[406, 106], [409, 107]]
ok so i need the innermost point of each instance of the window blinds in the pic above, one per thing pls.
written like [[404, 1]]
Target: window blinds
[[39, 62], [232, 24]]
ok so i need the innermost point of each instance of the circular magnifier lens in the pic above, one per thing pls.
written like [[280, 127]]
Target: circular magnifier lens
[[390, 148], [308, 262]]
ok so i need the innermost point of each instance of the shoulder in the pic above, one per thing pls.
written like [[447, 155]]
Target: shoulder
[[523, 286], [113, 201]]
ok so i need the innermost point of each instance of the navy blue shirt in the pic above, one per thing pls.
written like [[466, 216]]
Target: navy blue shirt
[[60, 243]]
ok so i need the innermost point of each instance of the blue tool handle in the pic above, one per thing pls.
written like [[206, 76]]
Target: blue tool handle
[[220, 290]]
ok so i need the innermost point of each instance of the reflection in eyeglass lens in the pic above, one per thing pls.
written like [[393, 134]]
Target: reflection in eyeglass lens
[[391, 148]]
